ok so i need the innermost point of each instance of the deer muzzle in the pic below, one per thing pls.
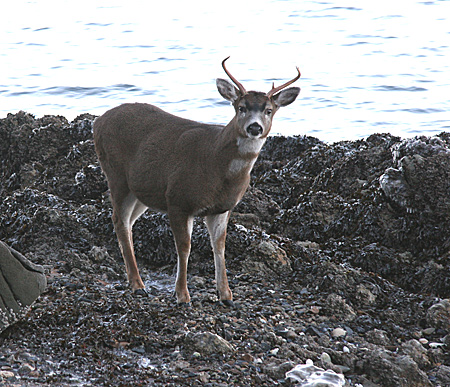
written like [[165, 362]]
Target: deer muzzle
[[254, 129]]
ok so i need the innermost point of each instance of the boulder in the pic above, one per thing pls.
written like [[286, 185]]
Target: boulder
[[21, 282], [208, 343]]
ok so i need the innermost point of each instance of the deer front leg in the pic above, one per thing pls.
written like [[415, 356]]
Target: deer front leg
[[217, 227], [181, 225]]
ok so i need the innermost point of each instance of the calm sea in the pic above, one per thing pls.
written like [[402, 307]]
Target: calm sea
[[367, 66]]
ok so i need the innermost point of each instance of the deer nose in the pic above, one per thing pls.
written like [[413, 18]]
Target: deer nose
[[254, 129]]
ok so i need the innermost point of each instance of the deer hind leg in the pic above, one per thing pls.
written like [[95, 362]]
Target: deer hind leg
[[217, 227], [126, 210], [181, 225]]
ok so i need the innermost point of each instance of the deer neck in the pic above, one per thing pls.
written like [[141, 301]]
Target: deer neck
[[239, 151]]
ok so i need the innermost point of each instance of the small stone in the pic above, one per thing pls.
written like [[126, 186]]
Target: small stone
[[428, 331], [364, 295], [140, 350], [291, 335], [325, 358], [8, 375], [338, 332], [25, 369], [423, 341], [247, 357], [436, 345], [345, 349], [179, 365], [342, 368], [337, 306], [377, 336], [274, 352]]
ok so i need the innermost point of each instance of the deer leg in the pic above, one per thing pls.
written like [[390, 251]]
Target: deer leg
[[125, 213], [217, 227], [181, 225]]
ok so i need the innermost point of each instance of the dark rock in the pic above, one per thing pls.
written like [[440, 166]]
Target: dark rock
[[390, 370], [438, 316], [441, 375], [208, 343], [417, 352]]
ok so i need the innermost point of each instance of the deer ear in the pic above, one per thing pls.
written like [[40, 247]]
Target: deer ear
[[286, 97], [227, 90]]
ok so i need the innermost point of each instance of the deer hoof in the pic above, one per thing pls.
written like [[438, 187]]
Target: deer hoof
[[228, 303], [140, 292], [183, 305]]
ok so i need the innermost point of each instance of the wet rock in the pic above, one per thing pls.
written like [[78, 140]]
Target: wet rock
[[207, 343], [278, 371], [441, 375], [338, 332], [364, 295], [378, 336], [21, 283], [273, 256], [390, 370], [438, 315], [337, 306], [417, 352]]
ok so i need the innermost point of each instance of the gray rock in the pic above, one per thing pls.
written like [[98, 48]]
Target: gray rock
[[378, 337], [417, 352], [442, 375], [391, 370], [337, 306], [438, 316], [21, 282], [208, 343]]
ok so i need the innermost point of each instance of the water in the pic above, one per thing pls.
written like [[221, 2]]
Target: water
[[366, 66]]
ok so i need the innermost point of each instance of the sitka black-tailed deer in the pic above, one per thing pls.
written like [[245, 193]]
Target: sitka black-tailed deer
[[153, 159]]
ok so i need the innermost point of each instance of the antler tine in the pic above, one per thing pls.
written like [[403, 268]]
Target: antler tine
[[275, 90], [238, 84]]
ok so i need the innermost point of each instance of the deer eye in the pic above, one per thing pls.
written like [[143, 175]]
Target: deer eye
[[242, 109], [268, 112]]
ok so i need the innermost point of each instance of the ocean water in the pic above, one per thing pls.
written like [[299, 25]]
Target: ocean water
[[367, 66]]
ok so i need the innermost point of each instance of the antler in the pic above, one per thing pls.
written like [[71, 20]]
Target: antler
[[275, 90], [238, 84]]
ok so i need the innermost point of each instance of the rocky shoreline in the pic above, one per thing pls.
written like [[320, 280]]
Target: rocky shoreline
[[338, 253]]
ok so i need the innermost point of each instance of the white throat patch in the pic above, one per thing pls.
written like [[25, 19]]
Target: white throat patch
[[238, 165], [250, 145]]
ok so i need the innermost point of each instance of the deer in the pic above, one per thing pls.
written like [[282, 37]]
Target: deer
[[186, 169]]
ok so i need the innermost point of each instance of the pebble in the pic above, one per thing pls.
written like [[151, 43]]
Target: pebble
[[26, 369], [436, 345], [338, 332], [325, 358], [8, 375], [428, 331], [423, 341], [274, 352]]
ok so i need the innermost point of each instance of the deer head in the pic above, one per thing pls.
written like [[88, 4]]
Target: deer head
[[255, 110]]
